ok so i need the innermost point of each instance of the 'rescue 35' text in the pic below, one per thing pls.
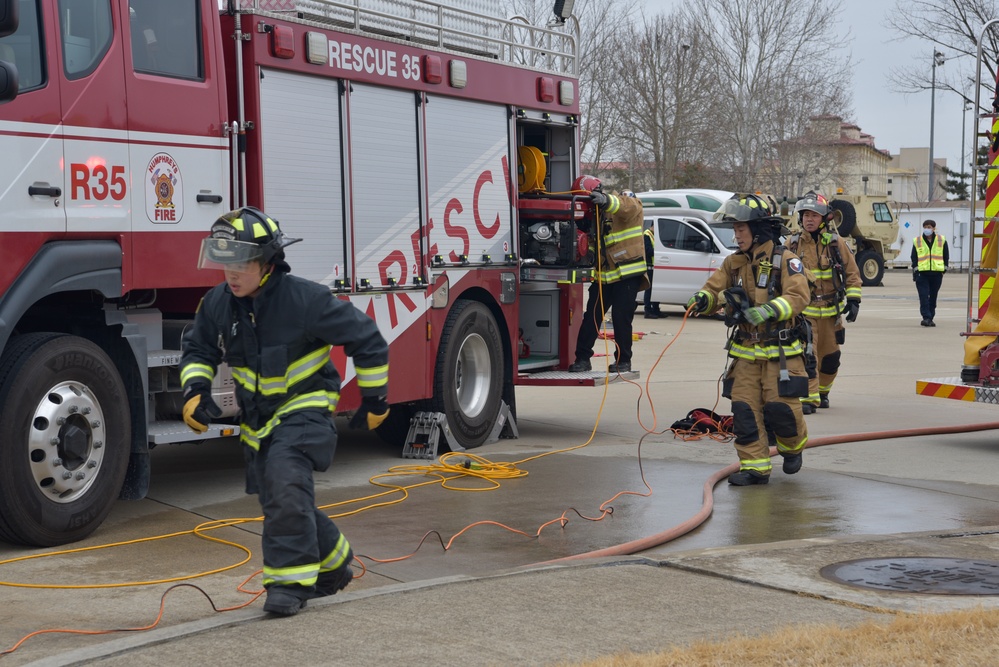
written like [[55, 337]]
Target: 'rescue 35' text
[[374, 60]]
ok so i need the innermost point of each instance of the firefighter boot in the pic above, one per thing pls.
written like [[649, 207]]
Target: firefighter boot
[[792, 463], [808, 408], [330, 583], [283, 602], [823, 400], [747, 477]]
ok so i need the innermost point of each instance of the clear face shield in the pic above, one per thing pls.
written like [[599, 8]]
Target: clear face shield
[[229, 255]]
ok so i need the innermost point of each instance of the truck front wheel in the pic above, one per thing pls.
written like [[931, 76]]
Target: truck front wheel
[[872, 267], [468, 380], [64, 438]]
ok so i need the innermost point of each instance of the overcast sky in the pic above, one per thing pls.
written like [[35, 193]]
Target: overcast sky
[[893, 119]]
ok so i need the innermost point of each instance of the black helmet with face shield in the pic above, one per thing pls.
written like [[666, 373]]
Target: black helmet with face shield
[[242, 236]]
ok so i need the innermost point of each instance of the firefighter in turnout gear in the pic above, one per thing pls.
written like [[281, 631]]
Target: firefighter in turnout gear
[[764, 290], [275, 331], [836, 285], [621, 275], [652, 310]]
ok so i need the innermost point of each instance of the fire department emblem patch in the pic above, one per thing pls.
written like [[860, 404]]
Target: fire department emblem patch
[[794, 266], [164, 190]]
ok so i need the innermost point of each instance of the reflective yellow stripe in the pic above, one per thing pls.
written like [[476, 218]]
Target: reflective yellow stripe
[[767, 352], [821, 311], [786, 448], [316, 399], [823, 274], [613, 204], [372, 377], [853, 292], [617, 237], [783, 308], [298, 370], [192, 371], [300, 575], [759, 465], [623, 271], [337, 557]]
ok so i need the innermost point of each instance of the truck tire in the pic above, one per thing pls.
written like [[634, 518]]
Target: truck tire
[[64, 438], [872, 267], [849, 222], [468, 378]]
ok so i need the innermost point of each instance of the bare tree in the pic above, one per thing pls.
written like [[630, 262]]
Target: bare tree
[[661, 97], [775, 67], [952, 27]]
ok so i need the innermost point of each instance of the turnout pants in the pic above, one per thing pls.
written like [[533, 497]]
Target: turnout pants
[[299, 541], [755, 400], [827, 334], [620, 296]]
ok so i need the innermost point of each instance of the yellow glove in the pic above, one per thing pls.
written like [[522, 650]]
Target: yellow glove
[[371, 413], [200, 409]]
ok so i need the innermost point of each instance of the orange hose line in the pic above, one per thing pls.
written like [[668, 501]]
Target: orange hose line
[[707, 505]]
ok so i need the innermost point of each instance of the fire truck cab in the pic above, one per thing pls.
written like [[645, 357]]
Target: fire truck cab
[[425, 151]]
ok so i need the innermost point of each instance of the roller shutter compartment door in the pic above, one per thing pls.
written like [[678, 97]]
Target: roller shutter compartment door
[[301, 140], [385, 181]]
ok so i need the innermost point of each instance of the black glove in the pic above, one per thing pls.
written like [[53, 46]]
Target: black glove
[[371, 413], [200, 409], [915, 274], [599, 198], [699, 302], [851, 309]]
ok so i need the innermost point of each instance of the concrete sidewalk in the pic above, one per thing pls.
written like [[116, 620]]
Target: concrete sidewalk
[[549, 614]]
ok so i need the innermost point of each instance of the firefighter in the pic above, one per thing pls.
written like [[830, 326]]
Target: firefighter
[[275, 331], [835, 286], [765, 289], [652, 311], [620, 275], [930, 259]]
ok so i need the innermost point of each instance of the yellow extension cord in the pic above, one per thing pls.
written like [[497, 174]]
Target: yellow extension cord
[[451, 466]]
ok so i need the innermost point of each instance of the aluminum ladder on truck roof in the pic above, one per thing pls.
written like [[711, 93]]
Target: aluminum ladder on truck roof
[[471, 31]]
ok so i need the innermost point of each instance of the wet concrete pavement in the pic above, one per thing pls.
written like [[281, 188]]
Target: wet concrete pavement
[[846, 499]]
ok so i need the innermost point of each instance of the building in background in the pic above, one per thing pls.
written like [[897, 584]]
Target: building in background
[[910, 178]]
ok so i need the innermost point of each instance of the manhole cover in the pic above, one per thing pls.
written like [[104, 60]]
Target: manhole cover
[[938, 576]]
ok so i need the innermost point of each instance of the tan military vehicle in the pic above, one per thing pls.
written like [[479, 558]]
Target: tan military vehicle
[[870, 226]]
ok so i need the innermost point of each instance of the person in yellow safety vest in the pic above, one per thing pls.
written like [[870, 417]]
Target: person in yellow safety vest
[[275, 331], [765, 289], [620, 276], [652, 311], [835, 278], [930, 259]]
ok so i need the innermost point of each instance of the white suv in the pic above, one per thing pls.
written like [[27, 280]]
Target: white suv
[[687, 251]]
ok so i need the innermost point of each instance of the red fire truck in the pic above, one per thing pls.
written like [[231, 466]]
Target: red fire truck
[[426, 152]]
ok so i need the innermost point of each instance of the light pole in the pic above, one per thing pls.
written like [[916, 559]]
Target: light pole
[[938, 59], [964, 120]]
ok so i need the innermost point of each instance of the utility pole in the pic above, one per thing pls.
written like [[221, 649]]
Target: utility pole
[[938, 59]]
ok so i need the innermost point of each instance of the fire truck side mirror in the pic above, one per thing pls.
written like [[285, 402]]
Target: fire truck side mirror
[[8, 17], [8, 82], [8, 72]]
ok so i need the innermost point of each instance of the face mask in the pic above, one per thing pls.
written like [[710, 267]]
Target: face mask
[[927, 231]]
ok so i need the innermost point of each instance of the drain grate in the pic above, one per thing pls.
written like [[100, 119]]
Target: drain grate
[[937, 576]]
